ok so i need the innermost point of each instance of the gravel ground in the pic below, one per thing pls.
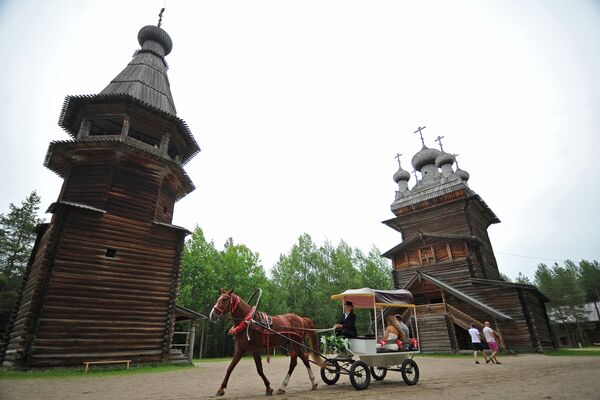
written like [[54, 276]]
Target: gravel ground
[[522, 377]]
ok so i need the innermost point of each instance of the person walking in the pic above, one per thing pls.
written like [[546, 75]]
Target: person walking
[[476, 342], [490, 338]]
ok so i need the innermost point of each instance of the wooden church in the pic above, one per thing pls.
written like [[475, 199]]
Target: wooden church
[[102, 280], [447, 261]]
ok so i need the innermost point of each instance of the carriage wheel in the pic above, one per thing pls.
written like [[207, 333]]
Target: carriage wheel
[[378, 373], [410, 372], [359, 375], [331, 373]]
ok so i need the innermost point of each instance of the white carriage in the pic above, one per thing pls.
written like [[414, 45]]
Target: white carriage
[[365, 359]]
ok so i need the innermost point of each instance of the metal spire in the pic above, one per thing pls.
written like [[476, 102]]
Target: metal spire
[[419, 129], [439, 140]]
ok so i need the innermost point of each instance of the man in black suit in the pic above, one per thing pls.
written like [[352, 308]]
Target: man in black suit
[[346, 326]]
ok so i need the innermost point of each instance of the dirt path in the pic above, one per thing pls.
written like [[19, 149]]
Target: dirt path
[[522, 377]]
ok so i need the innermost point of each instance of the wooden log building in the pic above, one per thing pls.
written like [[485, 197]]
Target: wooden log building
[[103, 276], [447, 261]]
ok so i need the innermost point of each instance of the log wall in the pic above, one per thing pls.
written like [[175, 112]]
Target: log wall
[[94, 306]]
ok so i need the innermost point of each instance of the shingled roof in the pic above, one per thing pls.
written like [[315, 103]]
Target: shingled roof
[[145, 77]]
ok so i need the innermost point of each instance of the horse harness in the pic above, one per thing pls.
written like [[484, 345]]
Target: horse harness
[[261, 323]]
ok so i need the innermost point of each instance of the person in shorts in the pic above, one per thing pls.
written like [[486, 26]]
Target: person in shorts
[[476, 342], [490, 338]]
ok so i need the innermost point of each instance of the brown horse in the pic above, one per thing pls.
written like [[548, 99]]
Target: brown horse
[[251, 338]]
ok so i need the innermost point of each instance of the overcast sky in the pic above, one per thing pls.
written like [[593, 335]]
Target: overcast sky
[[299, 108]]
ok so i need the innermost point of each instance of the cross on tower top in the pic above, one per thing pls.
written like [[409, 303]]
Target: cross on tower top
[[439, 140], [419, 129], [415, 173], [456, 159], [397, 157], [162, 10]]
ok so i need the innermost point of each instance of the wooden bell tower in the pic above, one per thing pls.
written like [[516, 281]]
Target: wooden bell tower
[[103, 276]]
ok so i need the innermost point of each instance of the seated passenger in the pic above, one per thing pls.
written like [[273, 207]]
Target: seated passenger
[[402, 326], [392, 334]]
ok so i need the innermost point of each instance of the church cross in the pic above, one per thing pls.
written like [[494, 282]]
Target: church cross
[[397, 157], [439, 140], [415, 172], [455, 159], [162, 10], [419, 129]]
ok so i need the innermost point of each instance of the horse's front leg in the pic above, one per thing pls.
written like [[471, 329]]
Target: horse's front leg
[[239, 352], [293, 363], [304, 359], [259, 369]]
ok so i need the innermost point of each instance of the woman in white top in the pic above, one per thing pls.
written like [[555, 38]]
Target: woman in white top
[[392, 334]]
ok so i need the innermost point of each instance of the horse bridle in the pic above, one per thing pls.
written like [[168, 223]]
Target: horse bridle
[[229, 305]]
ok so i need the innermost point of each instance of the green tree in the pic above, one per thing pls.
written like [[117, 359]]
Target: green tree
[[308, 275], [505, 277], [375, 271], [523, 279], [295, 277], [205, 270], [561, 285], [589, 278], [17, 237]]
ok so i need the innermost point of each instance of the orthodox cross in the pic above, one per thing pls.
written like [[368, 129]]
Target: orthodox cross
[[455, 160], [439, 140], [415, 172], [162, 10], [419, 129], [398, 158]]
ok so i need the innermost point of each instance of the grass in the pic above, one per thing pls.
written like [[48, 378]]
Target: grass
[[95, 371], [99, 371], [210, 360], [575, 351]]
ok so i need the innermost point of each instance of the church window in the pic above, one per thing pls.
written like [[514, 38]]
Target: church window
[[427, 255]]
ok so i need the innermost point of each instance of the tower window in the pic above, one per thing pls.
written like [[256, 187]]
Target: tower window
[[105, 126], [111, 253], [427, 255]]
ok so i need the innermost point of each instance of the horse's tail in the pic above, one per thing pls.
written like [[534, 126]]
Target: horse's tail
[[313, 342]]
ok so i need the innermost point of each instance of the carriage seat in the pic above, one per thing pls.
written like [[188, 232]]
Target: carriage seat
[[398, 345]]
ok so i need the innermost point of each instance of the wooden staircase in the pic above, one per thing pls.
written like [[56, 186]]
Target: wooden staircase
[[177, 357], [433, 333], [436, 323]]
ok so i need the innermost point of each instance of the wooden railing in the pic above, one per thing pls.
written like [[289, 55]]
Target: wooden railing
[[462, 319]]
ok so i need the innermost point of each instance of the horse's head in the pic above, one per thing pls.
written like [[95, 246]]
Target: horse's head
[[227, 302]]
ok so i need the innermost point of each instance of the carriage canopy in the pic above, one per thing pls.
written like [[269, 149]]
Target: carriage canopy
[[370, 298]]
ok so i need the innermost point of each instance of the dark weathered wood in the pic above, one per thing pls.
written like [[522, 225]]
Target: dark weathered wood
[[103, 277], [446, 238]]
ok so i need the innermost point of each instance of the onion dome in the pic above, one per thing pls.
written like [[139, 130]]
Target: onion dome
[[401, 175], [444, 158], [462, 174], [424, 157], [150, 36]]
